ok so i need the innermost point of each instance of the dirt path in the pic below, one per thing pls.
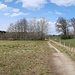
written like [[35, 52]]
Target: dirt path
[[61, 63]]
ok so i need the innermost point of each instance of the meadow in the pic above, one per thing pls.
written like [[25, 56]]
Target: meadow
[[68, 42], [25, 58]]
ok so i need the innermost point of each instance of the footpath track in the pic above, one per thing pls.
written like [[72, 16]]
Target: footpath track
[[61, 63]]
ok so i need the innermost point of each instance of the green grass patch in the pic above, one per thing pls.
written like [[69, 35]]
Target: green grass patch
[[70, 42], [1, 65]]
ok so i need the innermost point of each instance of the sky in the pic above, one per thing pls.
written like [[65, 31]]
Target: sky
[[13, 10]]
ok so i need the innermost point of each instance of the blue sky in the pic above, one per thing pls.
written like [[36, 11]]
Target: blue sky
[[13, 10]]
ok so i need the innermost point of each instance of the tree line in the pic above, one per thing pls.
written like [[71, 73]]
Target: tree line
[[34, 29]]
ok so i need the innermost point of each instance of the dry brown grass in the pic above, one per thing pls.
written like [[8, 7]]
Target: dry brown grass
[[25, 58]]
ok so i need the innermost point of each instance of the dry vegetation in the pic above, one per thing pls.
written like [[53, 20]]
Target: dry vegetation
[[25, 58]]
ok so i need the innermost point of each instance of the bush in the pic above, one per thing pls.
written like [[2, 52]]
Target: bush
[[67, 37]]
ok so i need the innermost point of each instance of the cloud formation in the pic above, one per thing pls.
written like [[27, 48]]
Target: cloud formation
[[37, 4], [52, 28], [6, 14], [64, 2], [58, 13], [3, 7], [10, 11], [18, 14], [33, 4], [15, 14], [15, 10]]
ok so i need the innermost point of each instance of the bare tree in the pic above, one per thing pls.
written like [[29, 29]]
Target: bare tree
[[35, 29], [18, 29], [11, 28], [42, 26], [24, 25], [73, 24], [62, 26], [39, 27]]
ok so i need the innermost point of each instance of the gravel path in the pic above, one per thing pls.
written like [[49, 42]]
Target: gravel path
[[61, 63]]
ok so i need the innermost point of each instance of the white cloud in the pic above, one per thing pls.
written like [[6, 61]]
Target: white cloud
[[15, 10], [18, 14], [51, 24], [6, 14], [3, 7], [11, 12], [8, 0], [33, 4], [15, 14], [52, 28], [63, 2], [59, 13]]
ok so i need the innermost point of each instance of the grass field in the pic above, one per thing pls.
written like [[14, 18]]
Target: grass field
[[24, 58], [70, 42]]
